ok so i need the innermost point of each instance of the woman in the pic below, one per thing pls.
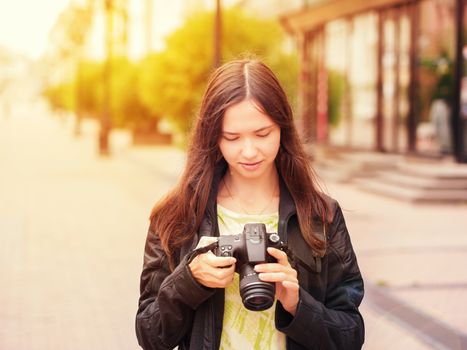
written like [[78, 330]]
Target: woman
[[246, 164]]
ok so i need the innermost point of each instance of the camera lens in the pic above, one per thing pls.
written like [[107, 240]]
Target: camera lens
[[256, 294], [258, 298]]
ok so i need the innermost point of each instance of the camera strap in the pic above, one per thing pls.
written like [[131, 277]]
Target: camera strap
[[201, 250]]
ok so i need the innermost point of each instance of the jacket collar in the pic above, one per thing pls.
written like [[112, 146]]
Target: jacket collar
[[286, 209]]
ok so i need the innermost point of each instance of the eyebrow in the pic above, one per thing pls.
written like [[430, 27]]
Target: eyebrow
[[257, 130]]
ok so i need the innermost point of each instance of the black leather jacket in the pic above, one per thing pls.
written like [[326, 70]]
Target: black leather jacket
[[175, 310]]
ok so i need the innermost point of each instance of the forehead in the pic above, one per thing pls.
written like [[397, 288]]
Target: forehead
[[245, 116]]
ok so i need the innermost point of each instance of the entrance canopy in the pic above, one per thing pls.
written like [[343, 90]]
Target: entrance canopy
[[325, 11]]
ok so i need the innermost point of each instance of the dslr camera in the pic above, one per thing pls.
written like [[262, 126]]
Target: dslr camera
[[249, 248]]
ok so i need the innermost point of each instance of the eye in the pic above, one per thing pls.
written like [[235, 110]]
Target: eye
[[263, 134], [235, 138]]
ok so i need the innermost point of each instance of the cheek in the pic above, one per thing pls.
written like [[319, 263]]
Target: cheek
[[274, 146], [227, 151]]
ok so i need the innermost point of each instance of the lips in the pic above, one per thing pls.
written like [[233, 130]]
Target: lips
[[251, 166]]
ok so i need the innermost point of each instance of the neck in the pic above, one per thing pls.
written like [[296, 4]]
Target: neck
[[248, 188]]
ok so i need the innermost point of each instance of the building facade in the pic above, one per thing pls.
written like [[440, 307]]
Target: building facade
[[383, 75]]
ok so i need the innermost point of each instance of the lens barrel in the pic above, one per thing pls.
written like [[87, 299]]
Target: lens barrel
[[256, 294]]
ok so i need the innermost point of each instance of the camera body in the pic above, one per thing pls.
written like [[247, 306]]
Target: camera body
[[250, 248]]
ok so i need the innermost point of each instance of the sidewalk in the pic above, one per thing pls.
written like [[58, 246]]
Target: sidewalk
[[413, 259], [73, 228]]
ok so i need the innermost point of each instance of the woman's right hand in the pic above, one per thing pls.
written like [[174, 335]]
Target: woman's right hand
[[210, 270]]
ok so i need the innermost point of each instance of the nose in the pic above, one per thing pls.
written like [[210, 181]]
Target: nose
[[249, 149]]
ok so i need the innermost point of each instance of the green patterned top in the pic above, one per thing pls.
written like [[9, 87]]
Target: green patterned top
[[244, 329]]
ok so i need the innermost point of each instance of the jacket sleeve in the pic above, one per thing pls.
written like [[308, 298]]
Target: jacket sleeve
[[167, 300], [336, 322]]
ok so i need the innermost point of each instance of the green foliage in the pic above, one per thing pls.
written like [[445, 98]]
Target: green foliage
[[174, 80], [60, 97], [286, 68], [126, 107], [86, 94], [89, 86], [71, 29], [170, 83], [150, 85], [436, 82], [336, 89], [441, 69]]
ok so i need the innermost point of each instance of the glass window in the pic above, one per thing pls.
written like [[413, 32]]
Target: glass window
[[396, 78], [351, 48], [363, 76], [337, 61]]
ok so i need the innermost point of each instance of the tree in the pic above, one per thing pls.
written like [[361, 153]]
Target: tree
[[68, 38], [89, 88], [125, 106], [60, 97], [174, 80], [69, 33]]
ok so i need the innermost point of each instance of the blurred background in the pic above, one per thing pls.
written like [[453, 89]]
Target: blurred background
[[97, 99]]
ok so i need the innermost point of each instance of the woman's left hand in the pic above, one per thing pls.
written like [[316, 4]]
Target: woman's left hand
[[285, 278]]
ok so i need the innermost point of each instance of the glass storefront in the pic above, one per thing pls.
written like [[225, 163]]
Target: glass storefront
[[383, 79], [352, 68]]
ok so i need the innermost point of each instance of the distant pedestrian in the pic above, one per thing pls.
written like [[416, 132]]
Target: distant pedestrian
[[248, 181], [440, 115]]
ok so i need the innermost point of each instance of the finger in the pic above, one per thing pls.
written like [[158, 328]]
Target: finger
[[224, 274], [270, 267], [280, 256], [220, 261], [291, 285], [272, 276], [277, 277], [221, 277], [276, 267], [211, 276]]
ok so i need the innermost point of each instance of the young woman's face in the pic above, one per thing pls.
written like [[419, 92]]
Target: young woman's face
[[249, 141]]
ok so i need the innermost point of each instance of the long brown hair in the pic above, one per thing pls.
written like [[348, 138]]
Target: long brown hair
[[178, 216]]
